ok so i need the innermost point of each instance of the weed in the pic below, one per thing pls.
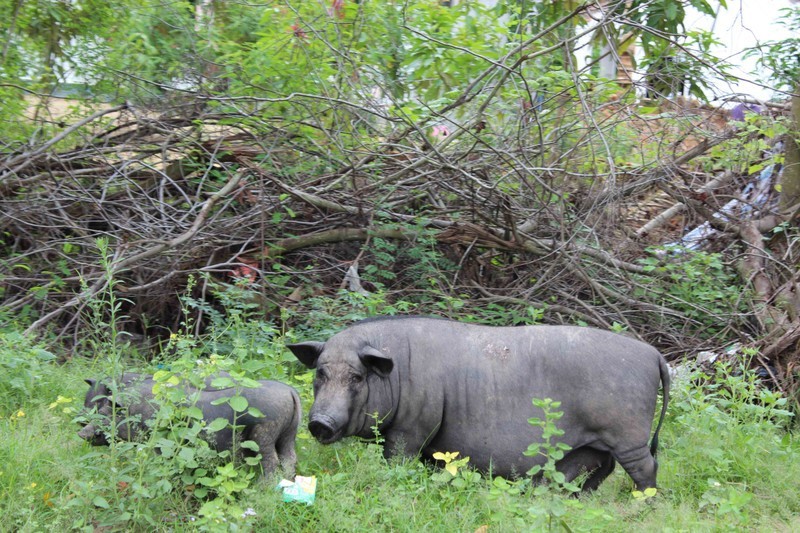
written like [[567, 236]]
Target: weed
[[552, 451], [236, 328], [456, 471], [24, 371], [727, 503], [416, 264], [699, 285], [550, 509], [104, 314]]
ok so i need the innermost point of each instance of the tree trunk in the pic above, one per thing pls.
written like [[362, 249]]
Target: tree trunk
[[790, 181]]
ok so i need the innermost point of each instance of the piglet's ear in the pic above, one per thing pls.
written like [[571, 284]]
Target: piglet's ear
[[91, 382], [376, 361], [307, 352]]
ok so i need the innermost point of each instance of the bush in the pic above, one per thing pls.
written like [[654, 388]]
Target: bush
[[24, 366], [699, 285]]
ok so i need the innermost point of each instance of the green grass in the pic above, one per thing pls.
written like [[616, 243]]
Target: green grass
[[726, 463]]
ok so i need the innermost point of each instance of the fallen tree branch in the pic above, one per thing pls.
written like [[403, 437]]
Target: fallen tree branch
[[656, 175], [332, 236], [118, 265], [25, 159], [790, 337], [677, 208]]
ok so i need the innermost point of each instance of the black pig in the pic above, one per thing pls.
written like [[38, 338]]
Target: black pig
[[436, 386], [132, 405]]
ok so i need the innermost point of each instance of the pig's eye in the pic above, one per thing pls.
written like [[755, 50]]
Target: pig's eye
[[356, 378], [321, 376]]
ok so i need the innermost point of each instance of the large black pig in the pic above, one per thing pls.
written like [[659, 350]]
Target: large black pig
[[133, 406], [437, 385]]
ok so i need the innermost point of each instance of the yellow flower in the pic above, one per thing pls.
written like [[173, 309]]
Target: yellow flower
[[33, 485], [20, 413]]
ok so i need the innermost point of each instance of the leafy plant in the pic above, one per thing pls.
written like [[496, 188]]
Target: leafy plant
[[235, 327], [417, 264], [549, 509], [24, 369], [175, 455], [456, 472], [749, 152], [745, 417], [727, 503], [699, 284], [549, 448], [104, 314]]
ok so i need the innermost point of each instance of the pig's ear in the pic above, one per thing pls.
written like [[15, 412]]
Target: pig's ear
[[307, 352], [376, 361], [91, 382]]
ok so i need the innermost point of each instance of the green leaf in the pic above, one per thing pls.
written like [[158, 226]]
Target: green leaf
[[500, 483], [250, 445], [194, 412], [222, 382], [217, 424], [238, 403], [187, 454], [671, 11], [252, 411], [249, 383], [99, 501], [227, 470]]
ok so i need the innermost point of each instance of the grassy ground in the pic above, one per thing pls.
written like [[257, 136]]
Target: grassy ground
[[727, 463]]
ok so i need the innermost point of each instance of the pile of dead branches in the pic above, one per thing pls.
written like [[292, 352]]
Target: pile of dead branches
[[180, 192]]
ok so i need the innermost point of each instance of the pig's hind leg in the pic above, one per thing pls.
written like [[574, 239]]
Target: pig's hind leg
[[264, 435], [286, 453]]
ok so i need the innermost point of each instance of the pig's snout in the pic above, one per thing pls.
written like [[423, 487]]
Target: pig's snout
[[92, 435], [87, 432], [324, 429]]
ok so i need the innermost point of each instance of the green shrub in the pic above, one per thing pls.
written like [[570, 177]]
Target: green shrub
[[24, 368], [698, 284]]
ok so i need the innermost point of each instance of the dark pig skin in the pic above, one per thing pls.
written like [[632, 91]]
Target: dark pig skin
[[438, 385], [275, 432]]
